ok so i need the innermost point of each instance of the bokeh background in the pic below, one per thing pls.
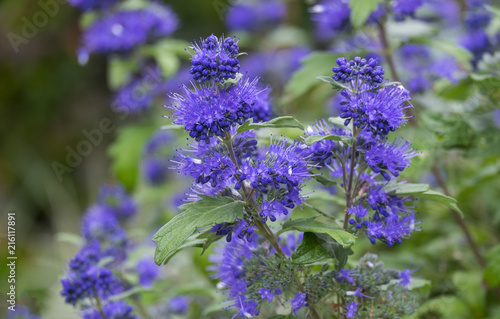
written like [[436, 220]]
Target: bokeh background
[[47, 100]]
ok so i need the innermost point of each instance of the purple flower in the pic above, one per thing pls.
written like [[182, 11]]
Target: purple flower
[[217, 169], [114, 198], [406, 277], [392, 229], [277, 175], [112, 310], [100, 223], [406, 8], [148, 271], [215, 59], [380, 112], [392, 157], [255, 16], [266, 294], [289, 245], [179, 305], [124, 30], [352, 307], [358, 293], [262, 108], [358, 69], [322, 151], [207, 112], [298, 301], [86, 5], [229, 266], [95, 282], [345, 274], [155, 158], [139, 94], [330, 17], [22, 312], [88, 256], [275, 67]]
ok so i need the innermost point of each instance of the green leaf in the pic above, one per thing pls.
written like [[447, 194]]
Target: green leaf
[[337, 121], [406, 189], [336, 85], [303, 80], [443, 199], [325, 180], [126, 151], [129, 293], [316, 138], [119, 71], [205, 212], [361, 10], [279, 122], [492, 271], [493, 10], [310, 225], [334, 250], [309, 251]]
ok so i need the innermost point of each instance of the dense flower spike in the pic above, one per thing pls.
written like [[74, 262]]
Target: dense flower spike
[[322, 151], [122, 31], [392, 157], [209, 111], [97, 282], [262, 108], [380, 111], [277, 176], [215, 59], [255, 16], [362, 70]]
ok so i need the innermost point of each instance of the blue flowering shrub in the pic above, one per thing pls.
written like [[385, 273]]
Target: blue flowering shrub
[[332, 171]]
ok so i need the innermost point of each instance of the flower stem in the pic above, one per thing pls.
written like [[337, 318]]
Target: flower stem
[[348, 188], [460, 221], [99, 307]]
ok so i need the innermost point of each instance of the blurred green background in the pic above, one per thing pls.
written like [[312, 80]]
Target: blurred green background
[[47, 100]]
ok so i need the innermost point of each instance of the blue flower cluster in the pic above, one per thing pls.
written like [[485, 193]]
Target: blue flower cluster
[[86, 5], [92, 276], [392, 219], [424, 67], [277, 176], [380, 111], [332, 17], [215, 59], [233, 265], [206, 111], [155, 157], [255, 15], [124, 30], [358, 70], [475, 38], [406, 8], [322, 152]]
